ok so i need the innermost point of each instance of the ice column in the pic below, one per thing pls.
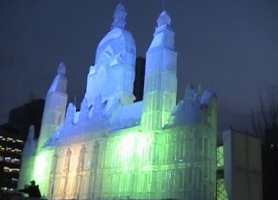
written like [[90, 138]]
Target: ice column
[[160, 76]]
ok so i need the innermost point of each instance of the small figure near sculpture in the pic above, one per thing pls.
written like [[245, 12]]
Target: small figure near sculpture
[[32, 190]]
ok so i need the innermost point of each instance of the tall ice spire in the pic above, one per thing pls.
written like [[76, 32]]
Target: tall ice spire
[[163, 35], [55, 105], [119, 17], [163, 19], [160, 88], [59, 83]]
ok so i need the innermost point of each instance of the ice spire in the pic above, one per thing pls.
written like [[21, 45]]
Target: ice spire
[[160, 84], [59, 84], [163, 19], [119, 17], [30, 144], [163, 35], [61, 69], [55, 106], [69, 119]]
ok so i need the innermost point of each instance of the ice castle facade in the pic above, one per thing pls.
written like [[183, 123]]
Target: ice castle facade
[[113, 148]]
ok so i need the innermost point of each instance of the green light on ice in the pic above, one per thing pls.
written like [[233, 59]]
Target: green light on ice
[[42, 167], [131, 148], [128, 165]]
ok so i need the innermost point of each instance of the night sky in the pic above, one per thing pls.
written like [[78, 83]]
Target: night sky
[[230, 47]]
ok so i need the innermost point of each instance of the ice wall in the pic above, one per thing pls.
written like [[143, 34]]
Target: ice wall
[[195, 107]]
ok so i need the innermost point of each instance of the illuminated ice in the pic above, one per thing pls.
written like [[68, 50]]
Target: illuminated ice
[[192, 109], [30, 144], [113, 148], [113, 74]]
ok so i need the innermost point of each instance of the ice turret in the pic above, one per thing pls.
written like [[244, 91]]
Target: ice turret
[[30, 144], [27, 159], [163, 36], [60, 82], [160, 76], [113, 74], [55, 106], [119, 17], [71, 110], [163, 19]]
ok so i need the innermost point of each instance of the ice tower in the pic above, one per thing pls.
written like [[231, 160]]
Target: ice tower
[[160, 89], [36, 158], [53, 116], [113, 74], [55, 106]]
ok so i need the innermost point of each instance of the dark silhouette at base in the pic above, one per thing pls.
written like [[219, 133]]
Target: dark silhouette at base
[[32, 190]]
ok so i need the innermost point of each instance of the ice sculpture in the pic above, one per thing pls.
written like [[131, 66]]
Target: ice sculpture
[[113, 148]]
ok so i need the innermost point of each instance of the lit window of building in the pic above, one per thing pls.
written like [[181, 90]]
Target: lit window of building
[[19, 141], [2, 148], [9, 139], [15, 161], [15, 179], [6, 169], [17, 150], [7, 159]]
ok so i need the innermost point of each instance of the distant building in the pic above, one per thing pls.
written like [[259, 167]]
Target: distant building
[[239, 167], [11, 147], [12, 137], [25, 115]]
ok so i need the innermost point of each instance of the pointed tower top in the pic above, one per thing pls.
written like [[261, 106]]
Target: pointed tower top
[[59, 83], [119, 17], [31, 133], [61, 69], [163, 19]]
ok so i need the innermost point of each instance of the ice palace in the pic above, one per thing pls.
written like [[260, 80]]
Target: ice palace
[[115, 148]]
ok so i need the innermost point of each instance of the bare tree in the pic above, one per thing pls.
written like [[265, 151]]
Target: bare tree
[[266, 116]]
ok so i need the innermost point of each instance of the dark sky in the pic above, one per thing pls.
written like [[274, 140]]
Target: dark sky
[[230, 47]]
